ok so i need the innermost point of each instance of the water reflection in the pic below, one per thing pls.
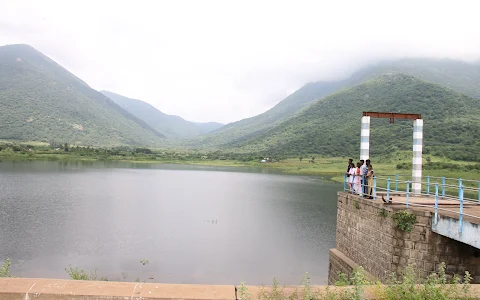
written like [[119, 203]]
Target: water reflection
[[195, 224]]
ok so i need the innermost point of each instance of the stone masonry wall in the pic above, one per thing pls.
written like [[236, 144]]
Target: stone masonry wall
[[339, 263], [372, 241]]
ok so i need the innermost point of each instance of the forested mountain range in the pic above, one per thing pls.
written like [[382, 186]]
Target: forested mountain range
[[331, 125], [169, 125], [456, 75], [42, 101]]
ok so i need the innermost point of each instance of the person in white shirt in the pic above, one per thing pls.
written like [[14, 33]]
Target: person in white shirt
[[350, 178]]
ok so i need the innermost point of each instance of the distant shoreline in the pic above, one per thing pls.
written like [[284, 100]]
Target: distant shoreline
[[330, 167], [285, 166]]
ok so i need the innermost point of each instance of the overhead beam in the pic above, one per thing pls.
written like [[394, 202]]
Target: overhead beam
[[391, 116]]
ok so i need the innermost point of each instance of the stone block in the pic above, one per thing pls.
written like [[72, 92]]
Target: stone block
[[439, 248], [454, 260], [419, 255], [408, 244], [428, 267], [423, 220], [426, 256], [448, 249]]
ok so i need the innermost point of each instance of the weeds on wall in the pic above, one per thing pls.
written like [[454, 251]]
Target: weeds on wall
[[5, 269], [383, 213], [356, 204], [404, 220]]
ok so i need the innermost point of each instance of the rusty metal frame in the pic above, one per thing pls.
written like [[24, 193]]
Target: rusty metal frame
[[391, 116]]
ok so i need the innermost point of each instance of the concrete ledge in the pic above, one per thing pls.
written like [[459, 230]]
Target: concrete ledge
[[349, 266], [31, 288], [450, 228], [57, 289]]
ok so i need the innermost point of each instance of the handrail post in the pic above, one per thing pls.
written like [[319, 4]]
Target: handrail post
[[388, 190], [408, 191], [428, 185], [461, 209], [436, 203], [443, 187], [459, 186], [374, 188], [344, 182], [396, 182]]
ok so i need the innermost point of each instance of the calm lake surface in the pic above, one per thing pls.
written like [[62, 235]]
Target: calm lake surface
[[194, 224]]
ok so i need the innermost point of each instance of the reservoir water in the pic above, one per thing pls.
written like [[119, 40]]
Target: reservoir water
[[193, 224]]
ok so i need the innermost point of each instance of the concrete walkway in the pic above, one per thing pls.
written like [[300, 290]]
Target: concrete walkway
[[448, 208]]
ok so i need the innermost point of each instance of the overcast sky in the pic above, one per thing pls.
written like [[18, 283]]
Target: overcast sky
[[227, 60]]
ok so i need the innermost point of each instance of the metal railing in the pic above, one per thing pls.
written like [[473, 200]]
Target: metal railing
[[453, 189]]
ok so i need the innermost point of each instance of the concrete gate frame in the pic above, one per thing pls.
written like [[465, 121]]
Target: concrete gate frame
[[417, 142]]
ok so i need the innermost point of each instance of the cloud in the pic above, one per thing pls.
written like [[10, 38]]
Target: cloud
[[227, 60]]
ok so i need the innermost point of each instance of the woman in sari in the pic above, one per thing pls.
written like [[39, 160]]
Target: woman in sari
[[358, 180]]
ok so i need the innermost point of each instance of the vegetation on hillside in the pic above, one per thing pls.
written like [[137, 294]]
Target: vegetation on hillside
[[457, 75], [169, 125], [331, 126], [281, 112], [41, 101]]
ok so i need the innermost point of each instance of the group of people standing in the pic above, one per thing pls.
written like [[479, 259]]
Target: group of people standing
[[360, 177]]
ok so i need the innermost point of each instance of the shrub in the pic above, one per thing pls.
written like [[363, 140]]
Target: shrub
[[80, 274], [5, 269], [404, 220]]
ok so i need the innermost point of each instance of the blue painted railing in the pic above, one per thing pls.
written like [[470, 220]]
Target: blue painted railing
[[449, 188]]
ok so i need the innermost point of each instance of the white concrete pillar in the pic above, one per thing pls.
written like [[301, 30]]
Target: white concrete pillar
[[365, 138], [417, 156]]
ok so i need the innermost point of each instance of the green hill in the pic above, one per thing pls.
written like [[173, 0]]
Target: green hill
[[331, 126], [457, 75], [171, 126], [246, 128], [42, 101]]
